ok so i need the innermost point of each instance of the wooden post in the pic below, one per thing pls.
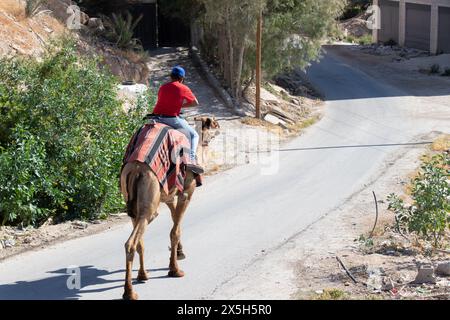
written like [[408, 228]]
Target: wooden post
[[258, 66]]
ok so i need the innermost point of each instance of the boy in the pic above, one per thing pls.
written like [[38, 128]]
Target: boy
[[172, 97]]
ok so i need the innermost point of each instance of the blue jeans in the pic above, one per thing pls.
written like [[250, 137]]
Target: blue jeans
[[183, 126]]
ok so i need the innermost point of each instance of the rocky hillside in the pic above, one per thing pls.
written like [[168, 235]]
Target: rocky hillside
[[28, 35]]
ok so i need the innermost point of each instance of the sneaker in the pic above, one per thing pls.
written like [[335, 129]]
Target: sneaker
[[195, 168]]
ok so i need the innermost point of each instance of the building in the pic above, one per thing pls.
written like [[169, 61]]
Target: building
[[421, 24]]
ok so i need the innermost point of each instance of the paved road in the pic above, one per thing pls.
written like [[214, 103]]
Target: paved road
[[242, 212]]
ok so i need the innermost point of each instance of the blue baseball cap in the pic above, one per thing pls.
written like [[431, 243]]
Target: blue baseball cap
[[179, 71]]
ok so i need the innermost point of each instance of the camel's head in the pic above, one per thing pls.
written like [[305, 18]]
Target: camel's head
[[210, 129]]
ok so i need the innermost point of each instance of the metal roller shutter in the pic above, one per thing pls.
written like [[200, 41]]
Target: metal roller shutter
[[418, 25], [444, 30], [389, 21]]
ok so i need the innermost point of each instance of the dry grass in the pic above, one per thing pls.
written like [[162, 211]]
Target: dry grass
[[442, 143], [135, 57], [261, 123], [299, 126], [15, 8], [332, 294]]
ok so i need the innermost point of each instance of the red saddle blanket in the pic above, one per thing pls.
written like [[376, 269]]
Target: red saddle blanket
[[164, 149]]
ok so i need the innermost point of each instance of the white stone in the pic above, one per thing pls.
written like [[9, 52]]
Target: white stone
[[135, 89], [274, 120]]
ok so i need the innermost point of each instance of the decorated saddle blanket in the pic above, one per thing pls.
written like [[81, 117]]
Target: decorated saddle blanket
[[164, 149]]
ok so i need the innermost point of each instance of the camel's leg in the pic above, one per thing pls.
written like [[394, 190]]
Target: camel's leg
[[143, 274], [130, 249], [147, 195], [175, 233], [180, 253]]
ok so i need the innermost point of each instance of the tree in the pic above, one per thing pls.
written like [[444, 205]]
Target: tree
[[292, 35], [233, 23], [294, 31]]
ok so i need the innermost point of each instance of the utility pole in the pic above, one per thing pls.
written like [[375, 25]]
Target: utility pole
[[258, 66]]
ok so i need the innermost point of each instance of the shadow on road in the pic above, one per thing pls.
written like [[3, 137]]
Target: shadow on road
[[55, 286], [346, 74]]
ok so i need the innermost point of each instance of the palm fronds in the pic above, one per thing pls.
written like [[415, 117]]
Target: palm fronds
[[120, 30]]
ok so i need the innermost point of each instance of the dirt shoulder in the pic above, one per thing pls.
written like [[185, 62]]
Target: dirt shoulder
[[16, 240], [306, 267]]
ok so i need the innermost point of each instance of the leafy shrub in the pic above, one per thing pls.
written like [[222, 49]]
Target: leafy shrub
[[62, 137], [446, 72], [120, 30], [428, 216], [435, 68], [365, 40]]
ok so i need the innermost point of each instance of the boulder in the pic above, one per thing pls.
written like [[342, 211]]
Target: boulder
[[95, 24], [443, 268], [84, 18], [135, 89], [80, 224], [274, 120], [425, 274]]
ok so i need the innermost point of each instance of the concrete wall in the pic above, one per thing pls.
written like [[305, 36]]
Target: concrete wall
[[422, 24]]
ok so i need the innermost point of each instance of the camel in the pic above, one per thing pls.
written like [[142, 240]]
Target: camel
[[143, 195]]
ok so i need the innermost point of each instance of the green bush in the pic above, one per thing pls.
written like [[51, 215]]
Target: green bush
[[429, 215], [62, 137], [435, 68], [446, 72]]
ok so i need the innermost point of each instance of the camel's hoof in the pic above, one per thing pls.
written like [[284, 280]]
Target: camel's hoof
[[176, 274], [181, 255], [130, 296], [143, 276]]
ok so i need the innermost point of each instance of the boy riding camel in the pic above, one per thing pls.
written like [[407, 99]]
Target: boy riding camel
[[172, 97]]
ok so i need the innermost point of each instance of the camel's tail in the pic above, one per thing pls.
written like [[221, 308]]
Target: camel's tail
[[129, 180]]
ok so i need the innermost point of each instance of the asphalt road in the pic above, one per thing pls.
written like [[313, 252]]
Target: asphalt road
[[242, 212]]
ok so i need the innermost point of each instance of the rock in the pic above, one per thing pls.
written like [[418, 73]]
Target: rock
[[425, 274], [96, 24], [274, 120], [375, 281], [443, 268], [135, 89], [80, 224], [9, 243], [84, 18], [388, 284], [296, 101], [96, 222]]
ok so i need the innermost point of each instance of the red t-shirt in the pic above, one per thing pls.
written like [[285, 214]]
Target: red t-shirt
[[171, 97]]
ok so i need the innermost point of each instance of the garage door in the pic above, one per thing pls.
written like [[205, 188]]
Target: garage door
[[418, 24], [389, 21], [444, 30]]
